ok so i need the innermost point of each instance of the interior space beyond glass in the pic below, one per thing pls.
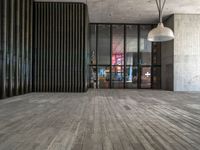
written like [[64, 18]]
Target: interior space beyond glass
[[121, 57]]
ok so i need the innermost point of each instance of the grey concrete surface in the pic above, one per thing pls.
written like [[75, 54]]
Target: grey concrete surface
[[167, 60], [134, 11], [187, 53], [101, 120], [183, 53]]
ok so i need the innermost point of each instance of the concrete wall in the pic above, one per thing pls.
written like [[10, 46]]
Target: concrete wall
[[167, 56], [181, 57], [187, 53]]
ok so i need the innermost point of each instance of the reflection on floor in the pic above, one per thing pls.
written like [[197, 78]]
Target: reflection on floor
[[101, 120]]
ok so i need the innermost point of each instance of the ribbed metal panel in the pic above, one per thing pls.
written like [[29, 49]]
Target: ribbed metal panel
[[60, 47], [15, 47]]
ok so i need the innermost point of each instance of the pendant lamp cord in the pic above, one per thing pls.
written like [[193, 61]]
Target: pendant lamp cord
[[160, 7]]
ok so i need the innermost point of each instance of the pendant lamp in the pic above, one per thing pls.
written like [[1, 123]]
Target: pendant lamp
[[160, 33]]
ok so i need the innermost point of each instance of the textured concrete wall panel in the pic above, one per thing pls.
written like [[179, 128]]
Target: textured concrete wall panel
[[167, 59], [187, 53]]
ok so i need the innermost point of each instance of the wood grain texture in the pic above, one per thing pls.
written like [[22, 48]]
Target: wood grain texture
[[101, 120]]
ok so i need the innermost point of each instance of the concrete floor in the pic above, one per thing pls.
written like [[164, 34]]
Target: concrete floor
[[101, 120]]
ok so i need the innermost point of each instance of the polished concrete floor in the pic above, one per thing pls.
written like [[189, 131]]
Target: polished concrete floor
[[101, 120]]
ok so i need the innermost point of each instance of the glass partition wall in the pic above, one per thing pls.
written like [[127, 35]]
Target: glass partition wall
[[121, 57]]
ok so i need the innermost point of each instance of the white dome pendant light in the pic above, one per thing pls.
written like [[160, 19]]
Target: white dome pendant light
[[160, 33]]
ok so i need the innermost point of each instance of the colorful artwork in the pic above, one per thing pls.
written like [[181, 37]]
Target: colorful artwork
[[118, 59]]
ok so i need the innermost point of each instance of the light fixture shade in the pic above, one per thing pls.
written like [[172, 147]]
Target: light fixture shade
[[160, 34]]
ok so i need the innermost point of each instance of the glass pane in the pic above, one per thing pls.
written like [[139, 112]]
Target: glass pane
[[145, 45], [146, 77], [156, 52], [93, 71], [93, 44], [131, 76], [103, 44], [131, 45], [156, 78], [117, 77], [118, 45], [104, 77]]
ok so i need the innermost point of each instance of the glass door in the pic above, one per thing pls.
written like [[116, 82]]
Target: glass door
[[117, 56], [122, 57], [131, 80], [145, 77]]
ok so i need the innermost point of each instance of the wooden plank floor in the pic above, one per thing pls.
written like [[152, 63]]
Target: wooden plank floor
[[101, 120]]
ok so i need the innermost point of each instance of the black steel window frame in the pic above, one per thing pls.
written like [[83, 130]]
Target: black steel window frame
[[138, 65]]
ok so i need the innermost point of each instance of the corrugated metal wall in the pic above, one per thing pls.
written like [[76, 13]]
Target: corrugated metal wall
[[60, 47], [15, 47]]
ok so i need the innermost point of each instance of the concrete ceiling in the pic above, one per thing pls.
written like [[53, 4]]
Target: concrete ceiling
[[134, 11]]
